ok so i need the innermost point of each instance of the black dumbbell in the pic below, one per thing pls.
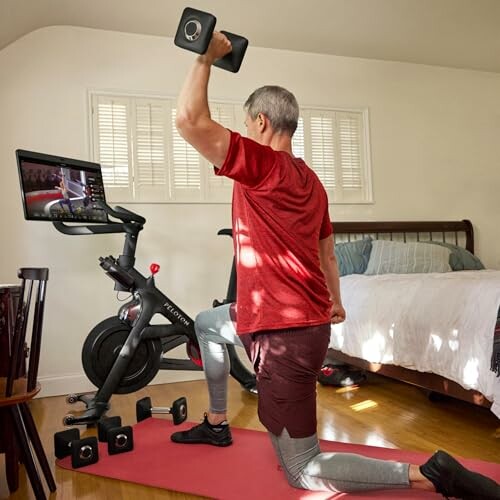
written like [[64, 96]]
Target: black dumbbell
[[195, 32], [83, 451], [120, 438], [144, 410]]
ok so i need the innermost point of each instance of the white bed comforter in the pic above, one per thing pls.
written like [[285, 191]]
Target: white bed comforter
[[439, 322]]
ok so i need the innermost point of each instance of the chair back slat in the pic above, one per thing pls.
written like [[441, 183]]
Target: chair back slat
[[17, 341], [36, 339], [31, 279]]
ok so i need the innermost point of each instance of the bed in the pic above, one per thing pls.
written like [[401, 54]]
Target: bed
[[433, 330]]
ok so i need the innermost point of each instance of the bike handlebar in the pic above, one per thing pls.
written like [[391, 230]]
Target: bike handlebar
[[123, 214], [131, 222]]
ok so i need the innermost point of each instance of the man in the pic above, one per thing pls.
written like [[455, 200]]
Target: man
[[288, 295], [66, 198]]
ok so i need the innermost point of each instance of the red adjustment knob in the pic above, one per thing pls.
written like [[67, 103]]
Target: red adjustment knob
[[154, 268]]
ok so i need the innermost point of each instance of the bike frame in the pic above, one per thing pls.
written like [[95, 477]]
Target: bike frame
[[147, 300]]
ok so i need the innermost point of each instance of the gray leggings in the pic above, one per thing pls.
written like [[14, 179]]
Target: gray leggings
[[304, 465], [214, 330]]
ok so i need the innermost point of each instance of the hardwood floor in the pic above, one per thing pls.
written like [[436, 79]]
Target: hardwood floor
[[381, 413]]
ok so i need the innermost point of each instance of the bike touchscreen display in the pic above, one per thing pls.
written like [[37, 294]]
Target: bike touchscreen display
[[54, 188]]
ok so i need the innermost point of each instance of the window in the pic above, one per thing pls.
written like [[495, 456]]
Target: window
[[144, 159], [335, 145]]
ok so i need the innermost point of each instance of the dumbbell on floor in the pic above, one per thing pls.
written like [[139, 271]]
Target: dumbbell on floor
[[144, 410], [195, 32], [120, 438], [83, 451]]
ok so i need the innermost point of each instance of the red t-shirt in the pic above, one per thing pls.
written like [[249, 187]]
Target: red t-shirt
[[280, 212]]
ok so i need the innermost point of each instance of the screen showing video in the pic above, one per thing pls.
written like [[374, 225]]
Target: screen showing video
[[60, 189]]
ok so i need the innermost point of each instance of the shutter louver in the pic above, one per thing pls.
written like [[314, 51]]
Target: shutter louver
[[150, 145], [298, 147], [323, 149], [224, 115], [350, 150], [186, 162], [113, 146]]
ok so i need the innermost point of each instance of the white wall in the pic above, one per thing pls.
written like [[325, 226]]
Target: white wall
[[435, 136]]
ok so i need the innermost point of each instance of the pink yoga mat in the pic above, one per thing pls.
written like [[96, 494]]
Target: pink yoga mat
[[247, 470]]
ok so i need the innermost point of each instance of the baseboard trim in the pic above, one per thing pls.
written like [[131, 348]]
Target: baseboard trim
[[77, 382]]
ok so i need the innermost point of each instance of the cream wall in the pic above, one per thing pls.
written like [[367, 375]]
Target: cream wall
[[435, 137]]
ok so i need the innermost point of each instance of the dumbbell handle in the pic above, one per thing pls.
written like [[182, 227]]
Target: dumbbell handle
[[161, 410]]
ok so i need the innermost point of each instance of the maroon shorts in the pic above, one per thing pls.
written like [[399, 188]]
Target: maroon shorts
[[287, 363]]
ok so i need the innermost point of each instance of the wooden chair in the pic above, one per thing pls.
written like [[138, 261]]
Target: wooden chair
[[20, 386]]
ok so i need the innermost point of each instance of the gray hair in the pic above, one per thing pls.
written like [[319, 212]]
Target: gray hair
[[278, 104]]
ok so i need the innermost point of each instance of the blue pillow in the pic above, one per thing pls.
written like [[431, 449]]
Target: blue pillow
[[398, 257], [353, 256], [460, 258]]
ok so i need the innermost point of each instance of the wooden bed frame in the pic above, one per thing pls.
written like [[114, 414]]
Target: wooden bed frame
[[456, 232]]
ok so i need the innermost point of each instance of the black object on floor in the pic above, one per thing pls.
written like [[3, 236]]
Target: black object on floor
[[340, 376]]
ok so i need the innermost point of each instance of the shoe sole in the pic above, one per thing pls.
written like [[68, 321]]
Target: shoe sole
[[213, 443]]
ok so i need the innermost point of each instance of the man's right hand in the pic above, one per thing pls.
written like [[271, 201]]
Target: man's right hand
[[219, 47]]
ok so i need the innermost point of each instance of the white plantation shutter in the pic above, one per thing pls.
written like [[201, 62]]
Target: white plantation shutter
[[185, 172], [351, 150], [323, 148], [150, 151], [298, 140], [219, 188], [112, 148], [333, 144], [144, 159]]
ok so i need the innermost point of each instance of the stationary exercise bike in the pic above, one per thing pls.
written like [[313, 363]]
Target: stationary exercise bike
[[123, 353]]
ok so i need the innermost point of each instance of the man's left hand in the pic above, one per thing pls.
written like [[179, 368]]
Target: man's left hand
[[337, 313]]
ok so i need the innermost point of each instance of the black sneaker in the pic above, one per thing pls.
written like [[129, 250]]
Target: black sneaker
[[452, 479], [205, 433]]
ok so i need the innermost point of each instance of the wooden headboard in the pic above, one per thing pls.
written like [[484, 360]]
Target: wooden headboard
[[455, 232]]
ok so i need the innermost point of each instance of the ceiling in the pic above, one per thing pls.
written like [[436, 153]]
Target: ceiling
[[454, 33]]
